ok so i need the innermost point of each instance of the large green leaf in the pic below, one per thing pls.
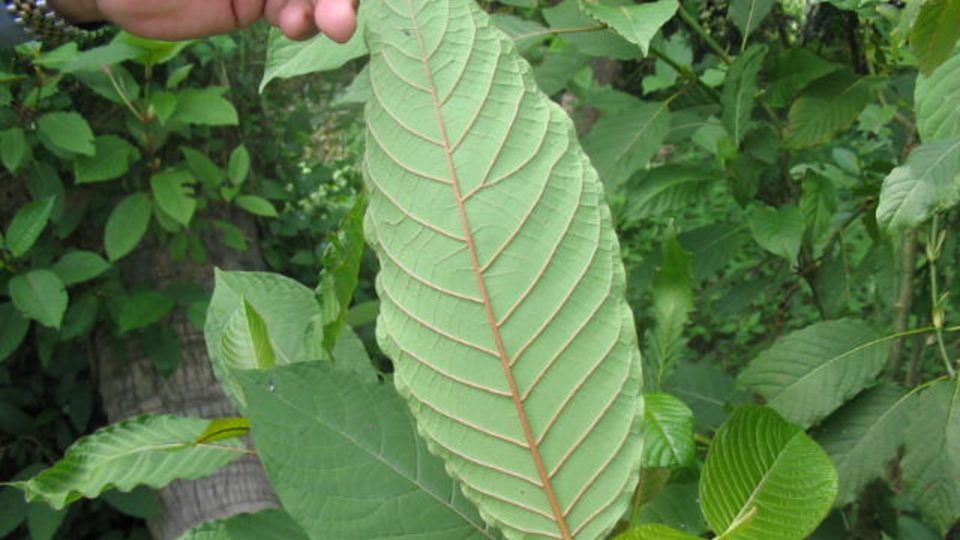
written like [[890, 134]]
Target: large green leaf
[[620, 144], [672, 507], [287, 58], [739, 89], [935, 33], [747, 15], [147, 450], [827, 106], [931, 462], [637, 23], [41, 296], [501, 286], [27, 225], [928, 182], [937, 99], [765, 479], [809, 373], [112, 159], [778, 230], [668, 432], [126, 225], [791, 72], [264, 525], [173, 191], [663, 191], [315, 426], [66, 132], [863, 437], [655, 532], [567, 15]]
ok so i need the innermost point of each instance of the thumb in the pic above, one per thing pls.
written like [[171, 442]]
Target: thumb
[[337, 19]]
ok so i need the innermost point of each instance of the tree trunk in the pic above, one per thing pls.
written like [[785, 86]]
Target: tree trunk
[[130, 385]]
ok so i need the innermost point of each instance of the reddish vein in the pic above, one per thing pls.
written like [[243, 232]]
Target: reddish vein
[[545, 479]]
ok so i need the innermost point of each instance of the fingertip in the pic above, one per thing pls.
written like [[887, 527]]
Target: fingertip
[[296, 21], [337, 19]]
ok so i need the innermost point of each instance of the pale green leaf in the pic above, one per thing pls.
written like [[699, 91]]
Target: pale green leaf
[[13, 148], [622, 143], [245, 342], [126, 225], [637, 23], [144, 451], [27, 225], [765, 479], [654, 531], [863, 437], [287, 58], [778, 230], [928, 182], [827, 106], [41, 296], [931, 461], [935, 33], [937, 99], [792, 71], [747, 16], [257, 206], [668, 432], [601, 42], [739, 92], [112, 159], [173, 191], [239, 166], [270, 524], [809, 373], [672, 303], [80, 266], [525, 33], [13, 328], [67, 132], [205, 106], [314, 426], [502, 292]]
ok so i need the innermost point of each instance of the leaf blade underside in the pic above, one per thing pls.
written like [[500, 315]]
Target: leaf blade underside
[[501, 286]]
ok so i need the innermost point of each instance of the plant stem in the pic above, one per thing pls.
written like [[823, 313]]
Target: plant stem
[[934, 244], [694, 25], [685, 72], [904, 301]]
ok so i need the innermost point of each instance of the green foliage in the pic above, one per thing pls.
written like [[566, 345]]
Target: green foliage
[[747, 15], [926, 183], [41, 296], [287, 58], [668, 432], [127, 224], [935, 33], [934, 120], [620, 145], [739, 88], [638, 24], [263, 525]]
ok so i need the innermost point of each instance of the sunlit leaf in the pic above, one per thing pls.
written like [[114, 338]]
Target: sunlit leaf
[[287, 58], [928, 182], [935, 33], [936, 118], [637, 23], [668, 432]]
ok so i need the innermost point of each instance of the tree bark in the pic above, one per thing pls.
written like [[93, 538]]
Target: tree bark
[[129, 385]]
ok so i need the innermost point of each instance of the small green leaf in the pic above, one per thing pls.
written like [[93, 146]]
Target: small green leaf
[[765, 478], [239, 166], [605, 43], [672, 303], [654, 531], [934, 119], [148, 450], [68, 132], [13, 328], [739, 92], [747, 16], [43, 522], [205, 107], [340, 275], [13, 148], [287, 58], [637, 23], [668, 432], [41, 296], [935, 33], [202, 167], [112, 159], [27, 225], [221, 429], [264, 525], [620, 144], [778, 230], [927, 183], [141, 310], [79, 267], [257, 206], [809, 373], [173, 191], [818, 203], [663, 191], [126, 225], [178, 75], [162, 345]]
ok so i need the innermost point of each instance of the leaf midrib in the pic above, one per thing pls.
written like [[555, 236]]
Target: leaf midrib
[[745, 508]]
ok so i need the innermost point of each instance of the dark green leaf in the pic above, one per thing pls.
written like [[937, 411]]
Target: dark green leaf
[[340, 276], [747, 15], [40, 295], [793, 71], [818, 203], [827, 106], [665, 190], [43, 522], [13, 328], [936, 119], [739, 91], [126, 225], [778, 230], [13, 148], [935, 33], [239, 166], [263, 525], [620, 144], [672, 303], [141, 310], [27, 225], [139, 503]]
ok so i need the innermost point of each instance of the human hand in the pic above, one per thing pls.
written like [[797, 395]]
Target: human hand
[[186, 19]]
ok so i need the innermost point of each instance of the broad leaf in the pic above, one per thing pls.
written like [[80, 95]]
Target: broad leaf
[[246, 343], [264, 525], [747, 16], [663, 191], [27, 225], [525, 33], [935, 33], [827, 106], [206, 107], [239, 166], [637, 23], [863, 437], [66, 132], [672, 304], [111, 160], [809, 373], [126, 225], [79, 267], [173, 191], [672, 507], [928, 182], [501, 286], [655, 532], [341, 272], [778, 230], [620, 144], [148, 450], [937, 99], [314, 426], [568, 15], [931, 462], [13, 328], [765, 479], [13, 148], [287, 58], [41, 296], [818, 203], [739, 89], [668, 432], [705, 388], [793, 71], [141, 310]]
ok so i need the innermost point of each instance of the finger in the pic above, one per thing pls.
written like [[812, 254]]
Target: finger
[[337, 19], [295, 19]]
